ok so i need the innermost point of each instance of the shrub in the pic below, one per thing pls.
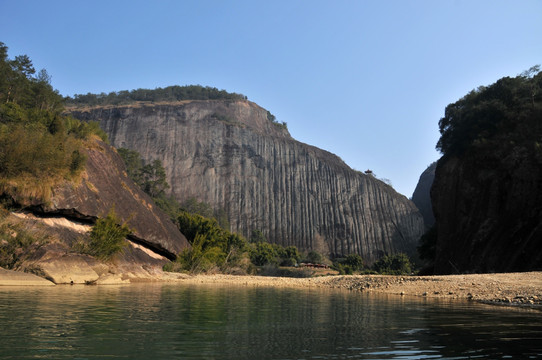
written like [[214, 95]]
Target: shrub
[[263, 253], [397, 264], [212, 247], [314, 257], [107, 237]]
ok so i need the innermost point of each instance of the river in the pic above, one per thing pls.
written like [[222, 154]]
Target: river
[[175, 321]]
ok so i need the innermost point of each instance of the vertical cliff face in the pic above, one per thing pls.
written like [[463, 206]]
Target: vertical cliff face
[[230, 155], [422, 195], [488, 213]]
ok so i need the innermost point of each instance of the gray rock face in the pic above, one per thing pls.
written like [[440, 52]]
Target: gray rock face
[[422, 195], [228, 154]]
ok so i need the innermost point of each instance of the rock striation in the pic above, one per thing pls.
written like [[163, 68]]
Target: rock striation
[[228, 153], [422, 195]]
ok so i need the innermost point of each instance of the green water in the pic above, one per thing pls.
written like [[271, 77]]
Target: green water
[[216, 322]]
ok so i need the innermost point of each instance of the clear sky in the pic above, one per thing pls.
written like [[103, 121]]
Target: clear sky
[[365, 79]]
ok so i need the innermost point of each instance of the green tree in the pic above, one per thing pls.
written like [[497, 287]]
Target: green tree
[[263, 253], [397, 264], [354, 261], [214, 245], [493, 116], [154, 180]]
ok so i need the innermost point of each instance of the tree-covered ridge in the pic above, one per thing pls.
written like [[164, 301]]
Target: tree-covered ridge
[[167, 94], [506, 113], [38, 145]]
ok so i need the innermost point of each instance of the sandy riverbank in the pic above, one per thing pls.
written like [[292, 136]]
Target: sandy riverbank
[[509, 288]]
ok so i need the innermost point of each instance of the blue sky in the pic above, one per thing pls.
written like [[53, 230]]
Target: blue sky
[[367, 80]]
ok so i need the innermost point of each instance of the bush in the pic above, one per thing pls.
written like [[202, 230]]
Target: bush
[[348, 265], [200, 257], [354, 261], [107, 237], [263, 253], [398, 264], [212, 247], [314, 257]]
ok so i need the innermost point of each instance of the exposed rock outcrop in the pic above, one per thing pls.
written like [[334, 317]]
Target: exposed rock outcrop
[[105, 186], [67, 218], [16, 278], [488, 213], [230, 155], [422, 195]]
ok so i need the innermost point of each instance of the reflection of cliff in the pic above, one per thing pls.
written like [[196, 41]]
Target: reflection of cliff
[[228, 154]]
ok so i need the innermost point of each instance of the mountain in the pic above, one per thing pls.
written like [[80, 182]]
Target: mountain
[[233, 155], [422, 195], [487, 191]]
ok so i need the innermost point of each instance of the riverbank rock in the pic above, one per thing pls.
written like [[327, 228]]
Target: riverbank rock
[[68, 269], [16, 278]]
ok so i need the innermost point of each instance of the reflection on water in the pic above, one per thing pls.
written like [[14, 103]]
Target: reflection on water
[[164, 321]]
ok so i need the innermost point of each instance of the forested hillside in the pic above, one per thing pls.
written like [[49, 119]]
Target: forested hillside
[[38, 145]]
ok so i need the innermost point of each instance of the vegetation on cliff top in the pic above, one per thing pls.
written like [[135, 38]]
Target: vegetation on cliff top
[[498, 117], [39, 147], [167, 94]]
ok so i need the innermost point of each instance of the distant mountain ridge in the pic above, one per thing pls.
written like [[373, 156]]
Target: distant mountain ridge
[[230, 154]]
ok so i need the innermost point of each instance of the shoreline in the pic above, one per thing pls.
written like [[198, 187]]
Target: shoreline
[[523, 289], [520, 289]]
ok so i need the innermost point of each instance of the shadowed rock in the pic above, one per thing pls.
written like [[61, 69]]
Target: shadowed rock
[[422, 195], [489, 214]]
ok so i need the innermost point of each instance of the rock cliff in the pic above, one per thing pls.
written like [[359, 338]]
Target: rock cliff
[[105, 186], [422, 195], [487, 192], [488, 214], [230, 155], [67, 217]]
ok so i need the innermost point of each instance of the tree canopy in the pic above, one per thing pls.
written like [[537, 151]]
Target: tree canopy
[[167, 94], [508, 111]]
